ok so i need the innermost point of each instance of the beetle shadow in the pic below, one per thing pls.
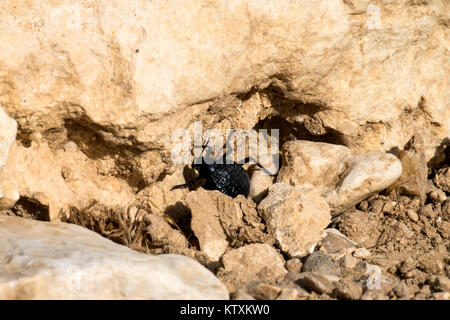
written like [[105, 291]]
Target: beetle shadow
[[181, 215]]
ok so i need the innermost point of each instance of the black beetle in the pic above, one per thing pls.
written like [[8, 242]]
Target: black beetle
[[229, 178]]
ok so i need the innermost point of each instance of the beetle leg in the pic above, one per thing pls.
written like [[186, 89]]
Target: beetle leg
[[250, 159], [190, 183], [208, 150], [203, 146]]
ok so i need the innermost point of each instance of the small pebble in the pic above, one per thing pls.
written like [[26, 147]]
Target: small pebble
[[415, 203], [442, 283], [425, 290], [407, 265], [392, 269], [348, 262], [437, 196], [427, 211], [293, 265], [412, 215], [406, 231], [322, 263], [417, 275], [388, 207], [361, 253], [405, 200], [263, 291], [348, 290], [334, 242], [441, 295], [363, 206], [442, 178], [241, 295], [402, 290], [318, 283], [376, 206]]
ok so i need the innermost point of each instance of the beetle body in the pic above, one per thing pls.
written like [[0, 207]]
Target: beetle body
[[228, 178]]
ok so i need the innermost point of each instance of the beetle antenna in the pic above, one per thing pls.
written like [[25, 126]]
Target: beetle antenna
[[228, 148], [204, 146]]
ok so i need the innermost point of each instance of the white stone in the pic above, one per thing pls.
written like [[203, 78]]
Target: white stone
[[361, 253], [295, 217], [334, 242], [259, 185], [367, 174], [340, 175], [348, 261], [312, 164], [412, 215], [54, 260]]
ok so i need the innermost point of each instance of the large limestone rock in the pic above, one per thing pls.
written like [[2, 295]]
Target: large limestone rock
[[59, 180], [134, 71], [312, 164], [367, 174], [42, 260], [340, 175]]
